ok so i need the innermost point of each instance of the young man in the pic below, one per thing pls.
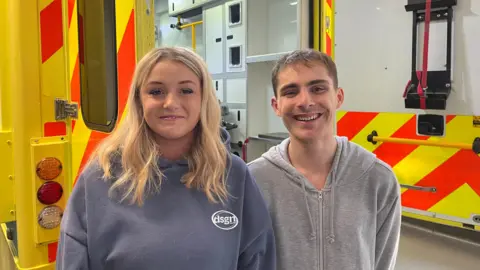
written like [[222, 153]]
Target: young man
[[334, 204]]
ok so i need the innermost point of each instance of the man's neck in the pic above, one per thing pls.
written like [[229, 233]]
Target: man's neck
[[313, 157]]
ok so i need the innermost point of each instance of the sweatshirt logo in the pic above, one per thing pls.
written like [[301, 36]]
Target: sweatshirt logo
[[224, 220]]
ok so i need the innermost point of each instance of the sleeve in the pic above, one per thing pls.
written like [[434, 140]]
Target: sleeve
[[388, 233], [258, 244], [72, 250]]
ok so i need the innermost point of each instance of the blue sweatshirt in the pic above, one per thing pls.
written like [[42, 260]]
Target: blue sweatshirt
[[176, 229]]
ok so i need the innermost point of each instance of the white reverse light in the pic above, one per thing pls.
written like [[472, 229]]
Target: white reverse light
[[50, 217]]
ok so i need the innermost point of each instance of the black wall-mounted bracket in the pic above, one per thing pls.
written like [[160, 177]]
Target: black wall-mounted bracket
[[439, 85]]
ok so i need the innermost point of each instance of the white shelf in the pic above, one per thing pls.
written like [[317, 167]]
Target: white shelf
[[261, 118], [272, 26], [272, 57]]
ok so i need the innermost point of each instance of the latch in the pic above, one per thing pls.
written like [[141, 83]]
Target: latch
[[64, 109]]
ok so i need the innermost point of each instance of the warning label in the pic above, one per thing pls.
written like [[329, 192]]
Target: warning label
[[476, 121]]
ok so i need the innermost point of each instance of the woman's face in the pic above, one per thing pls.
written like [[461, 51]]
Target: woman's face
[[171, 100]]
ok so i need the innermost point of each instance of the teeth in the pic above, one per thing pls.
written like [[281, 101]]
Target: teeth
[[307, 118]]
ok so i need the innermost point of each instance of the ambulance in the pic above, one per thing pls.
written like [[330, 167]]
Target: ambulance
[[66, 66]]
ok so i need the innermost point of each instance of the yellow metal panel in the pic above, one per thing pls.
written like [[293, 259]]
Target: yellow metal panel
[[44, 3], [327, 27], [460, 203], [26, 104], [316, 25], [73, 41], [42, 148], [7, 199], [7, 206], [433, 220], [5, 58], [144, 26], [53, 84], [123, 12], [340, 114]]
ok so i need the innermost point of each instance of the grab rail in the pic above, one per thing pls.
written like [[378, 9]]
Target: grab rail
[[474, 146], [181, 26]]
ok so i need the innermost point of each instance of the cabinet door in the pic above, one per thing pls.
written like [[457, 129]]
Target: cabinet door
[[172, 6], [214, 39], [177, 6], [218, 86], [235, 35]]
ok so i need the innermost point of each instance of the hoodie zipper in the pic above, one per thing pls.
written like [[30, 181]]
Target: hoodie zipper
[[320, 230]]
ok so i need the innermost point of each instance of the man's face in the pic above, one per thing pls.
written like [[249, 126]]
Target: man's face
[[307, 101]]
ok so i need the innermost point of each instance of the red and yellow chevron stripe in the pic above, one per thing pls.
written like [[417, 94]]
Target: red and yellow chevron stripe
[[54, 56], [53, 74], [453, 172], [327, 46], [85, 140]]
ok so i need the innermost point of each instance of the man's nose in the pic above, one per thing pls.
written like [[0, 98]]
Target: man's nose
[[305, 99]]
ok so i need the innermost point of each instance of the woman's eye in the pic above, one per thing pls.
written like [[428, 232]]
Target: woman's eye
[[187, 91], [155, 92]]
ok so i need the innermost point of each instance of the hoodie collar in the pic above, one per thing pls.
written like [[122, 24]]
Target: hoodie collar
[[278, 155], [164, 163]]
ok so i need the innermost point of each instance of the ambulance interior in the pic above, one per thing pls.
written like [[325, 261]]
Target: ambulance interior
[[373, 49], [430, 136]]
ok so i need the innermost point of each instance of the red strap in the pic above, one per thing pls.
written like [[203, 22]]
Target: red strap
[[423, 77]]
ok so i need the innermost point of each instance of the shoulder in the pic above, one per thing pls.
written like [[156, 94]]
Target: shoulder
[[237, 167], [359, 164], [261, 168], [380, 178]]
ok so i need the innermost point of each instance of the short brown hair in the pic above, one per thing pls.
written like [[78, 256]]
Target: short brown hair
[[306, 57]]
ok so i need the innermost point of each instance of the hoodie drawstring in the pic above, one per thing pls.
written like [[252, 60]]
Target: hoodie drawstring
[[312, 228], [331, 236]]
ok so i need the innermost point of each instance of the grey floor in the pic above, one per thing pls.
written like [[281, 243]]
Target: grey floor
[[422, 249]]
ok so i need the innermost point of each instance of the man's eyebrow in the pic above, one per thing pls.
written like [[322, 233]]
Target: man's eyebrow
[[310, 83], [290, 85]]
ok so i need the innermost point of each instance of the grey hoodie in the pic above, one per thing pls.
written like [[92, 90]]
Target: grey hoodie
[[352, 223]]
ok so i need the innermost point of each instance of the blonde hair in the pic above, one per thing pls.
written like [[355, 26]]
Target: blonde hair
[[133, 143]]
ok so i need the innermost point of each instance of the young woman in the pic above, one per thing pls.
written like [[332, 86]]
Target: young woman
[[163, 191]]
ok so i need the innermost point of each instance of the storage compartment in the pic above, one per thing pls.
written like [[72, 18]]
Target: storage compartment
[[214, 41], [235, 36], [236, 90], [234, 13], [218, 85], [272, 26], [177, 7], [431, 125], [234, 56]]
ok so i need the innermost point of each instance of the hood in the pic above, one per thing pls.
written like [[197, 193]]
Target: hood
[[226, 138], [349, 164], [165, 163]]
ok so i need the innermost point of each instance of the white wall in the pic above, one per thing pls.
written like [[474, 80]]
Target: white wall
[[374, 48], [167, 36]]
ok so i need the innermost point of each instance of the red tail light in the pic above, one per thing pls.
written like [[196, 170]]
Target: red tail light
[[50, 193]]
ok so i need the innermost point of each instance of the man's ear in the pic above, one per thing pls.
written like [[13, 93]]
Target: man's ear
[[274, 104], [340, 97]]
